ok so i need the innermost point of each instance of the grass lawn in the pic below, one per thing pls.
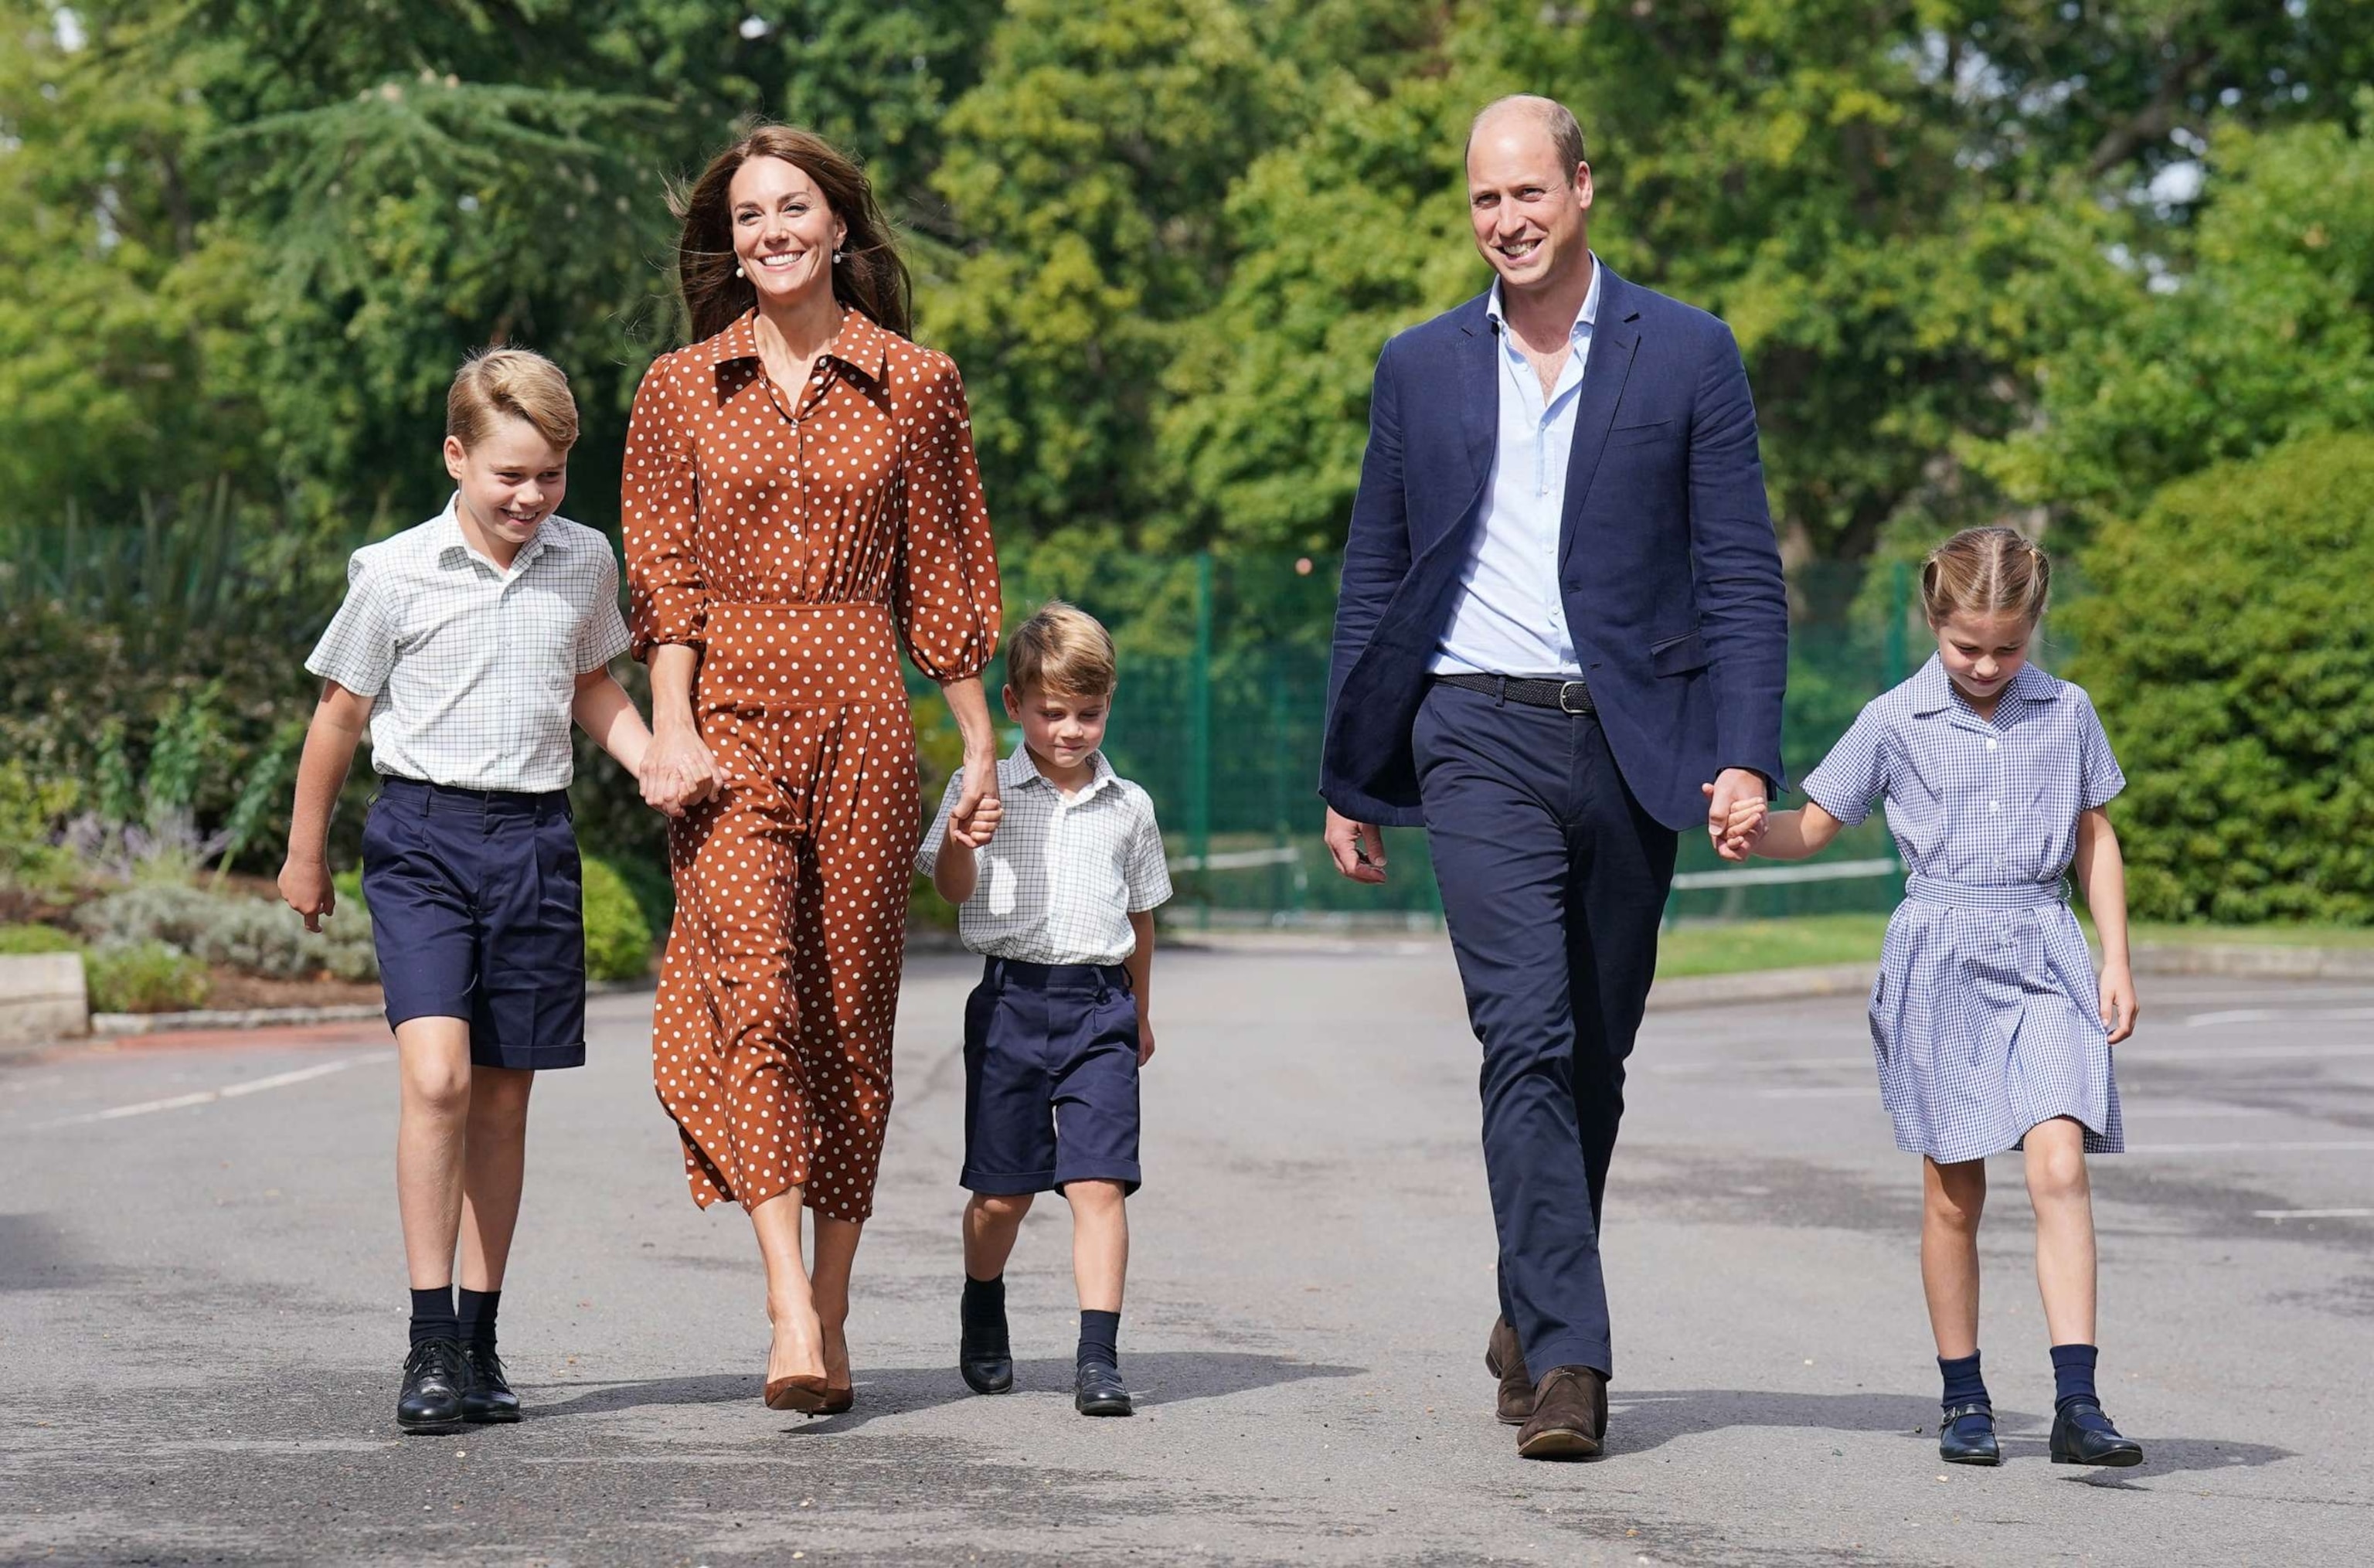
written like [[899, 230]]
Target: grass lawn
[[1725, 949]]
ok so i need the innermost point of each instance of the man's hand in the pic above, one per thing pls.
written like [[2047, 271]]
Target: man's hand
[[1358, 848], [305, 887], [1732, 787], [2118, 1001]]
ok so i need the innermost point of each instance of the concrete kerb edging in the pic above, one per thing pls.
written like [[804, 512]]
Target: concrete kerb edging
[[2230, 958]]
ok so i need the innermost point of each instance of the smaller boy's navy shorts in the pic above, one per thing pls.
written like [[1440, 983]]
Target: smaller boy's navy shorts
[[476, 907], [1050, 1078]]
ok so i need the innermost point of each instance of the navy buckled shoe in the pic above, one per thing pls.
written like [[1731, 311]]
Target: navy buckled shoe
[[2082, 1434], [1966, 1435]]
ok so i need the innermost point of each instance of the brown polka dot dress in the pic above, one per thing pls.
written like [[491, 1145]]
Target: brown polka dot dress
[[797, 545]]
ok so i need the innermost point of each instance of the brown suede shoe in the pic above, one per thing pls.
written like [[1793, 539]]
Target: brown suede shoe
[[1569, 1415], [1505, 1359]]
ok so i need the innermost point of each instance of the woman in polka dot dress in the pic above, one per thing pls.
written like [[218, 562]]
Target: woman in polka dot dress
[[799, 499]]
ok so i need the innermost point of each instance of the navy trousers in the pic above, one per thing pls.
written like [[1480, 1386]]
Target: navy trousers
[[1554, 881]]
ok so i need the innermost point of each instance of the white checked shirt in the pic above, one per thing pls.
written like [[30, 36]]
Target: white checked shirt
[[1060, 878], [473, 669]]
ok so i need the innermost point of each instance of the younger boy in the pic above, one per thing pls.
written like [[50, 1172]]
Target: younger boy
[[468, 644], [1062, 905]]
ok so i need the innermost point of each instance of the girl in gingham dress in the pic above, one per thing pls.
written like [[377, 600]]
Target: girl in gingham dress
[[1991, 1030]]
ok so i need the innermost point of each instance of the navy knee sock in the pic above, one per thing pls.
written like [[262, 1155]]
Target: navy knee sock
[[432, 1315], [1099, 1339], [476, 1313], [1963, 1383]]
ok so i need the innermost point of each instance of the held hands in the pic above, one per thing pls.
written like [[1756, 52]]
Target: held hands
[[306, 888], [1737, 813], [972, 822], [2119, 1007], [678, 773], [1359, 848]]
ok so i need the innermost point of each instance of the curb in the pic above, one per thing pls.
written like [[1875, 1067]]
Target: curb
[[117, 1026], [2249, 959], [1760, 985]]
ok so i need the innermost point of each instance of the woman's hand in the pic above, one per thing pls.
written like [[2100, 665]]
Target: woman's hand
[[678, 771], [2118, 1001], [974, 818]]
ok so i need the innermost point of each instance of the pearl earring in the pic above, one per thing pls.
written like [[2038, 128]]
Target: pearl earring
[[738, 270], [837, 257]]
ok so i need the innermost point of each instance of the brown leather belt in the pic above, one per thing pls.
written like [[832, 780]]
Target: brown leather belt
[[1565, 696]]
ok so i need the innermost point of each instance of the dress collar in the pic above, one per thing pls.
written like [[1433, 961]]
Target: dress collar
[[1933, 688], [859, 343]]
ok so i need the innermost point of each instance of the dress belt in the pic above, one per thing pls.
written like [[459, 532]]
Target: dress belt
[[1965, 895]]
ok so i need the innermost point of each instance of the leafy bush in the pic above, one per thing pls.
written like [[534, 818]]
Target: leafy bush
[[2230, 644], [144, 977], [29, 810], [246, 933], [617, 938], [18, 941]]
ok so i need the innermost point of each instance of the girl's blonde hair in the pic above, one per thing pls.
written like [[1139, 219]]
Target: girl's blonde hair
[[1985, 571], [496, 382], [1064, 650]]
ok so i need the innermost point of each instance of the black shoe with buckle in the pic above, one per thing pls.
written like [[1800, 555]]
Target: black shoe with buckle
[[434, 1377], [2082, 1434], [1966, 1435], [487, 1397]]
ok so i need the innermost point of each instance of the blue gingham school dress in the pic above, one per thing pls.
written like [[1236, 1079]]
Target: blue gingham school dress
[[1986, 1016]]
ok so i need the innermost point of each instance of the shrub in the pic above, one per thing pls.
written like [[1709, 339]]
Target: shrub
[[20, 940], [144, 977], [617, 938], [2230, 644], [247, 934], [29, 811]]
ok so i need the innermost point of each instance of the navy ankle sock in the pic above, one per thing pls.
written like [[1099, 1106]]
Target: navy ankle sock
[[475, 1313], [2072, 1373], [432, 1315], [984, 1302], [1099, 1339], [1963, 1383]]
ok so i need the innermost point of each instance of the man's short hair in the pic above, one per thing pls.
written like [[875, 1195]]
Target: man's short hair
[[1063, 650], [1565, 130]]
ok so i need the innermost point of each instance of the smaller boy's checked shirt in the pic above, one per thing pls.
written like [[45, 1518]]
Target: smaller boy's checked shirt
[[474, 670], [1060, 877]]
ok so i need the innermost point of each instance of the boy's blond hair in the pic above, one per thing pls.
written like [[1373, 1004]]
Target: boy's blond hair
[[1062, 650], [494, 382]]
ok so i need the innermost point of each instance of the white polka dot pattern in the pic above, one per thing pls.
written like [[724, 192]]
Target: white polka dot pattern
[[799, 546]]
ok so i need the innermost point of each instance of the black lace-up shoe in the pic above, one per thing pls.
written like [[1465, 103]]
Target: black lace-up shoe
[[1098, 1390], [1966, 1435], [434, 1377], [2082, 1434], [487, 1397]]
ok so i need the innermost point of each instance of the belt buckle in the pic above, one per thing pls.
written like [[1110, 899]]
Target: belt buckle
[[1567, 686]]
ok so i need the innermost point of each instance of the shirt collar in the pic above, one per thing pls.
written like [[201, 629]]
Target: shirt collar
[[452, 549], [1933, 688], [1019, 772], [1587, 319], [859, 343]]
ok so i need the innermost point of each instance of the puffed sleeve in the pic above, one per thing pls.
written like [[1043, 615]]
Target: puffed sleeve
[[947, 596], [1855, 772], [659, 503]]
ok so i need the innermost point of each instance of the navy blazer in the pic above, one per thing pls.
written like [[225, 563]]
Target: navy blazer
[[1670, 577]]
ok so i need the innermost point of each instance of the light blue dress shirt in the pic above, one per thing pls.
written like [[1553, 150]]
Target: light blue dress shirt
[[1508, 619]]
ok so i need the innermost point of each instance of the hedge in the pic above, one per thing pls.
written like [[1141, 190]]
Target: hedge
[[2230, 644]]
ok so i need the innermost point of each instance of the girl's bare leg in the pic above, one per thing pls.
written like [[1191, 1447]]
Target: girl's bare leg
[[2063, 1197], [1953, 1196]]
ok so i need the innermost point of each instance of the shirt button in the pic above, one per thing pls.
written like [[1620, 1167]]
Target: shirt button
[[1991, 745], [1994, 805]]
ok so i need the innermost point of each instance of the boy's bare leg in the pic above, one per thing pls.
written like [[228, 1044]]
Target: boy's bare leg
[[836, 1252], [431, 1134], [2063, 1197], [798, 1347], [991, 1222], [1099, 1242], [494, 1162], [1953, 1196]]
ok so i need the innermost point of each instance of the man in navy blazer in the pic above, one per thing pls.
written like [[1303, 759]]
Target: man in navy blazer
[[1561, 641]]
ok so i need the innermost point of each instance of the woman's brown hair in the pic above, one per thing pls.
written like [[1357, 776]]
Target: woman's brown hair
[[1985, 571], [871, 275]]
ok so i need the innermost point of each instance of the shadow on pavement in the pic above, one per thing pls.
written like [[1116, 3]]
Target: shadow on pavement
[[1156, 1378], [1650, 1418]]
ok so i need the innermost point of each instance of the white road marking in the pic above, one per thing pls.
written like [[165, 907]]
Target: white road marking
[[2312, 1213], [209, 1096], [2278, 1015], [2304, 1146]]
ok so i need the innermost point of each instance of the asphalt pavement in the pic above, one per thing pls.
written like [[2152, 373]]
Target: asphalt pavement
[[200, 1309]]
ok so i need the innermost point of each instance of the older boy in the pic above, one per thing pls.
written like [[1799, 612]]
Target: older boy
[[1062, 906], [468, 644]]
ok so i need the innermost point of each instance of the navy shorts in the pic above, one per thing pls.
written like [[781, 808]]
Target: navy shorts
[[1050, 1078], [476, 907]]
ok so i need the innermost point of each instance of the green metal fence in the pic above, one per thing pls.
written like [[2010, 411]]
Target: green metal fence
[[1223, 695]]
